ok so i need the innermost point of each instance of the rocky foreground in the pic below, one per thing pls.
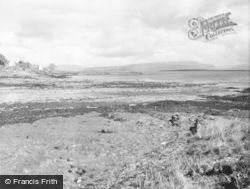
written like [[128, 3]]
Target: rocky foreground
[[156, 145], [109, 143]]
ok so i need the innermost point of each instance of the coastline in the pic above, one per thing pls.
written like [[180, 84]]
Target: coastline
[[127, 144]]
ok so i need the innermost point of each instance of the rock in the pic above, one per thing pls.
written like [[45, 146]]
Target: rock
[[164, 143], [56, 147], [105, 131], [234, 110], [226, 169], [216, 168], [216, 151], [213, 170], [139, 123], [80, 171], [193, 129], [213, 112], [190, 152], [132, 105], [92, 107], [174, 121], [110, 116], [189, 173], [204, 169], [219, 168], [89, 186], [120, 119], [231, 184]]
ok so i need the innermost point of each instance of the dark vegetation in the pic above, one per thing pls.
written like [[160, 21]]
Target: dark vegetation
[[30, 112]]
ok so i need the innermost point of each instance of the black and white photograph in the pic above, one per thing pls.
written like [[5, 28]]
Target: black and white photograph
[[124, 94]]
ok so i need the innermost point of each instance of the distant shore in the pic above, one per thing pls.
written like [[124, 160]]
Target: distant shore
[[204, 70]]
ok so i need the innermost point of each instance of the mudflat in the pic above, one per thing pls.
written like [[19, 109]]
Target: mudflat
[[126, 134]]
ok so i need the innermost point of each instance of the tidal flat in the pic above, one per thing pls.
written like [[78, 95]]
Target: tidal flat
[[127, 132]]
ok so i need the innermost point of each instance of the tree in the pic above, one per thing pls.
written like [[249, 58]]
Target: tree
[[3, 61], [52, 67]]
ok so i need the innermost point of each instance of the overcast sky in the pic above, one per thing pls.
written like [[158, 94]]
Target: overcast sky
[[118, 32]]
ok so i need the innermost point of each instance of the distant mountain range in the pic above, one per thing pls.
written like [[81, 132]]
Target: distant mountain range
[[160, 67], [68, 68], [165, 66], [240, 67], [127, 69], [148, 67], [151, 67]]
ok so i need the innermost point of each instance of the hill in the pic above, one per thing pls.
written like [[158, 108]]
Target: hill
[[151, 67], [68, 68], [240, 67]]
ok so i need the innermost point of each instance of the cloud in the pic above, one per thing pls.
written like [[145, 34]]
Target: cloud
[[97, 33], [37, 29]]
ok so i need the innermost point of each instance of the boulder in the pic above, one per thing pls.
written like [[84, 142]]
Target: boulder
[[193, 129], [175, 120]]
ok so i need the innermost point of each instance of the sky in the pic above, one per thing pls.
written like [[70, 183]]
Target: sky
[[93, 33]]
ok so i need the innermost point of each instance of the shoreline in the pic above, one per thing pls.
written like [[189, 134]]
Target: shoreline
[[130, 144], [230, 105]]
